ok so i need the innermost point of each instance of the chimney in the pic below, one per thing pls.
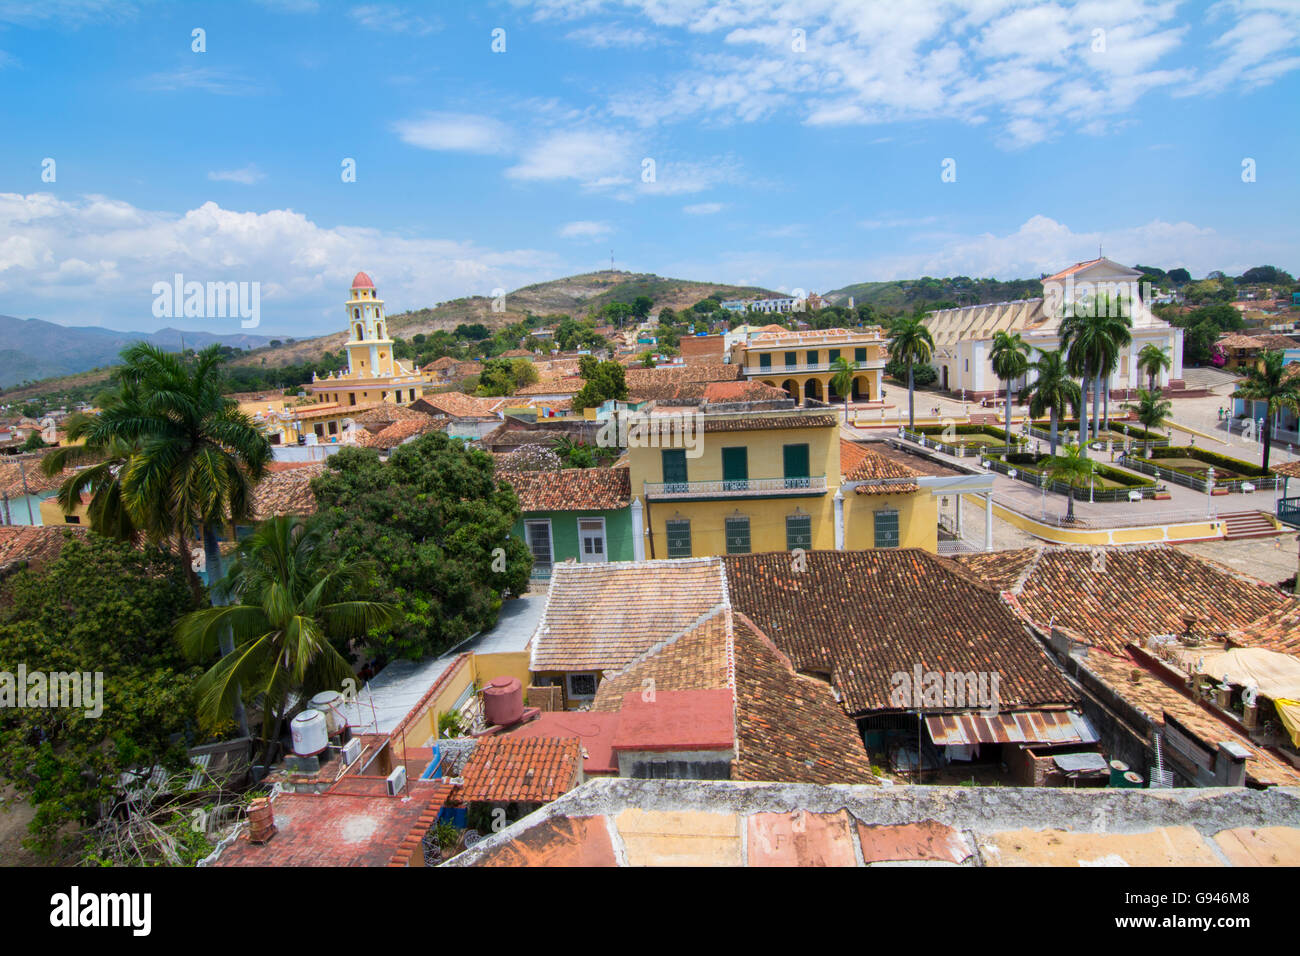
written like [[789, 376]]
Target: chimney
[[1250, 716], [1230, 764], [261, 821]]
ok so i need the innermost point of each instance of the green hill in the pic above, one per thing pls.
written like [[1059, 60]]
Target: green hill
[[907, 295]]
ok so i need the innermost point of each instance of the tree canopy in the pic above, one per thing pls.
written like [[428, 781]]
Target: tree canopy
[[436, 524]]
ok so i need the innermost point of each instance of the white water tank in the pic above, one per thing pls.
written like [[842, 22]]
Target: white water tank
[[330, 703], [310, 735]]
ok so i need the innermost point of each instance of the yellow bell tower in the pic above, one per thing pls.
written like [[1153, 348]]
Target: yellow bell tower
[[370, 350]]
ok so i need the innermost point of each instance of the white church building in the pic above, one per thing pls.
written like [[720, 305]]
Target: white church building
[[963, 337]]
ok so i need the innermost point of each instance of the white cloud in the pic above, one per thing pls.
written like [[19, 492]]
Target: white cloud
[[457, 132], [94, 260], [703, 209], [249, 175], [201, 78], [606, 37], [391, 19], [585, 229], [1034, 69], [596, 159]]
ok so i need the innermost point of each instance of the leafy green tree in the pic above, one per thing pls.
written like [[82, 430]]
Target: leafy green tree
[[1052, 391], [104, 607], [1152, 410], [290, 616], [1153, 359], [523, 372], [641, 307], [475, 332], [910, 342], [34, 442], [432, 519], [1275, 384], [1072, 467], [1010, 355], [607, 381]]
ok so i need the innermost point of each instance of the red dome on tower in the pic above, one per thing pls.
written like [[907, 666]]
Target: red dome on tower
[[362, 281]]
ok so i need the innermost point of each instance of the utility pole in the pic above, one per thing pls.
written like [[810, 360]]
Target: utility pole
[[26, 494]]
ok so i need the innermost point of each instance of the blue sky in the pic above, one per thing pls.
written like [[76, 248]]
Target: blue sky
[[793, 145]]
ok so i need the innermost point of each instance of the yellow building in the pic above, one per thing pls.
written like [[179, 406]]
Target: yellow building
[[802, 363], [771, 479], [374, 373]]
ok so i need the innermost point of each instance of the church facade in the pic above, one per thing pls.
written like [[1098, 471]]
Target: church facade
[[963, 337]]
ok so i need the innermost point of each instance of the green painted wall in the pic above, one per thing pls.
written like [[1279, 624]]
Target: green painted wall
[[564, 532]]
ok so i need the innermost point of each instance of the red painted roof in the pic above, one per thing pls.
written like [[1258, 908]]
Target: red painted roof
[[362, 281], [676, 720], [595, 732]]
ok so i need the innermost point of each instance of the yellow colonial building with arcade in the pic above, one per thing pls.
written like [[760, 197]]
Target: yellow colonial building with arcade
[[803, 363]]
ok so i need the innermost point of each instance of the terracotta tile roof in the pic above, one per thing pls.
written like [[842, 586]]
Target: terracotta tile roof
[[34, 545], [571, 489], [1155, 698], [789, 727], [603, 616], [1000, 570], [1278, 630], [286, 492], [525, 769], [696, 659], [11, 477], [637, 378], [743, 392], [885, 476], [761, 421], [458, 405], [862, 616], [563, 386], [387, 413], [1289, 469], [1143, 590], [1078, 266], [400, 431]]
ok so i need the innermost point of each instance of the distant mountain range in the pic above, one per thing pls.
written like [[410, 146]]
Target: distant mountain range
[[35, 349]]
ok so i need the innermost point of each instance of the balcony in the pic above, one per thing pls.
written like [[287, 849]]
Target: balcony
[[736, 488], [805, 368]]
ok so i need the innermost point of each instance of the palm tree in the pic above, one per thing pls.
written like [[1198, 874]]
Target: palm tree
[[842, 380], [910, 342], [1073, 467], [1153, 359], [1051, 391], [1010, 354], [1152, 410], [1092, 337], [194, 456], [1275, 384], [288, 612]]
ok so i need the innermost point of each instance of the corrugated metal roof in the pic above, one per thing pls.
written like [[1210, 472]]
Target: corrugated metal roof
[[1026, 727]]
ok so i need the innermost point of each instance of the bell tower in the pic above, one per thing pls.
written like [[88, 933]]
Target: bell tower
[[370, 350]]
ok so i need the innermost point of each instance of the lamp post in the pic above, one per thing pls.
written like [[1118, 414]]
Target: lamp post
[[1209, 492]]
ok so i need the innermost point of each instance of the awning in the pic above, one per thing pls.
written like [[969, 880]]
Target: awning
[[1026, 727]]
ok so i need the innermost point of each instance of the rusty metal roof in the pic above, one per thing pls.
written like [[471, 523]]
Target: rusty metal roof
[[1025, 727]]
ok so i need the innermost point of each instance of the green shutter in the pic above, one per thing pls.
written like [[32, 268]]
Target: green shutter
[[886, 527], [674, 462], [795, 464], [798, 532], [832, 355], [735, 468], [859, 355], [791, 359], [765, 360], [678, 533], [812, 357], [737, 535]]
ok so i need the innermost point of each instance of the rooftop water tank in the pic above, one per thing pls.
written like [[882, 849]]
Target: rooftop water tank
[[330, 703], [310, 734], [503, 701]]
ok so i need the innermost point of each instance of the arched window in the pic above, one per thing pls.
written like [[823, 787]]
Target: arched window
[[360, 332], [356, 313], [379, 331]]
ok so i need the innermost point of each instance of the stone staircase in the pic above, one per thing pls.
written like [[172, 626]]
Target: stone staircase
[[1248, 524]]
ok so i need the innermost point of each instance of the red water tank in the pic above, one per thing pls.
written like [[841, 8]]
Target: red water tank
[[503, 701]]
